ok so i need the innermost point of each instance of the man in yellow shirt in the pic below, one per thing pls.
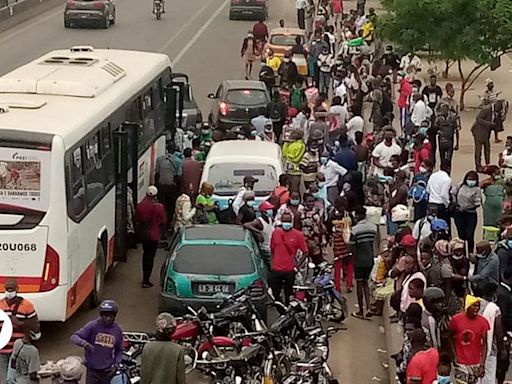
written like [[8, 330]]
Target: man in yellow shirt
[[273, 62]]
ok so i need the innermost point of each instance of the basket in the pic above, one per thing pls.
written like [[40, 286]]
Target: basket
[[490, 233]]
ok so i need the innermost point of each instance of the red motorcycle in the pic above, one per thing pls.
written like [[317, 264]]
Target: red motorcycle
[[194, 333]]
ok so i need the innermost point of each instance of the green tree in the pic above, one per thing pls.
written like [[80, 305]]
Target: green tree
[[453, 31]]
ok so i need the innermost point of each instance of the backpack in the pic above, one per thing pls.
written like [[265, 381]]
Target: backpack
[[297, 98], [275, 200], [418, 192]]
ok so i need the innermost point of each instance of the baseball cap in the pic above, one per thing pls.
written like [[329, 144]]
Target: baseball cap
[[408, 241], [152, 191]]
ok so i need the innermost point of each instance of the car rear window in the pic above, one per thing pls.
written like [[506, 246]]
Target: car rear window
[[247, 97], [287, 40], [211, 259]]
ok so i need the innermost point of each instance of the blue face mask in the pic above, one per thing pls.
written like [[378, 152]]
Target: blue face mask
[[294, 202], [254, 133], [471, 183], [270, 213], [287, 226], [443, 380], [324, 160], [251, 203]]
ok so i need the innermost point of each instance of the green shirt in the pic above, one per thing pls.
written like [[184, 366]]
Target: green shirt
[[207, 202]]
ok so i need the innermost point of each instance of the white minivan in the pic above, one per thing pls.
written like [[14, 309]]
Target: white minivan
[[228, 162]]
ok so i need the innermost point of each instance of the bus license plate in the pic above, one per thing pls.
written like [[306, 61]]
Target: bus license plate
[[213, 288]]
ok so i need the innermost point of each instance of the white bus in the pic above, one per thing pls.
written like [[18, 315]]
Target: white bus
[[76, 127]]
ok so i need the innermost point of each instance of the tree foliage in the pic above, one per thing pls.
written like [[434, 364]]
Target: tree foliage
[[457, 30]]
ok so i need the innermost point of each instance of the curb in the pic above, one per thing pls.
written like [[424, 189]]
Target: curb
[[394, 341]]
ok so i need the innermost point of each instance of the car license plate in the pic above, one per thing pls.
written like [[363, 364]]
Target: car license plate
[[213, 288]]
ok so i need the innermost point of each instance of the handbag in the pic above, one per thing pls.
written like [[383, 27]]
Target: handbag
[[201, 216], [226, 216]]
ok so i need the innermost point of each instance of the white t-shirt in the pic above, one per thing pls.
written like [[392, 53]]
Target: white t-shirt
[[341, 91], [383, 153], [355, 124]]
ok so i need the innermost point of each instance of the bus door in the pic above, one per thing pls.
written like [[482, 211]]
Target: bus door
[[125, 149], [174, 107]]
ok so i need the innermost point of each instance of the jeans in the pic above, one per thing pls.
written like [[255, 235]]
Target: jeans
[[466, 226], [278, 280], [148, 259], [301, 22], [390, 226], [324, 81], [446, 155], [486, 145], [167, 195], [4, 367], [98, 376]]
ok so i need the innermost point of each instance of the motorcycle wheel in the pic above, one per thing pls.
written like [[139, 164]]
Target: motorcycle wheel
[[158, 14], [338, 309], [190, 359]]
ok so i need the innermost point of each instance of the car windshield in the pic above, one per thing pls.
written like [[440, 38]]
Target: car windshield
[[228, 178], [211, 259], [247, 97], [284, 40]]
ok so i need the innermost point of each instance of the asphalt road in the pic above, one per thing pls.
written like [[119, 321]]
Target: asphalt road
[[202, 42]]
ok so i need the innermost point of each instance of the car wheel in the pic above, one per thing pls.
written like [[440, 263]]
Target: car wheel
[[231, 16], [99, 277], [67, 24]]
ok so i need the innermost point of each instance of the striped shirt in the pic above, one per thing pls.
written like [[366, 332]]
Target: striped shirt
[[362, 243], [25, 311]]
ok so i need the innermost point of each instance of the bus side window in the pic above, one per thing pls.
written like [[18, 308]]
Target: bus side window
[[148, 130], [94, 175], [78, 198], [107, 155]]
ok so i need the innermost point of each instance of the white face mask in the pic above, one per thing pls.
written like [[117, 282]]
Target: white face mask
[[9, 295], [35, 336], [423, 170]]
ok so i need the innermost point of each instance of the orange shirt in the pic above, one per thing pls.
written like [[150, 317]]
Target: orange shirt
[[25, 311]]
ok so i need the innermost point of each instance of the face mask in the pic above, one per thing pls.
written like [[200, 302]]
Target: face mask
[[480, 256], [251, 203], [423, 170], [471, 183], [295, 202], [457, 257], [268, 130], [270, 213], [507, 147], [254, 133], [205, 131], [443, 380], [35, 336], [9, 295], [286, 60], [324, 160], [509, 243], [287, 226]]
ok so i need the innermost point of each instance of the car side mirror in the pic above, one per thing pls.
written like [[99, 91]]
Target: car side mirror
[[211, 96]]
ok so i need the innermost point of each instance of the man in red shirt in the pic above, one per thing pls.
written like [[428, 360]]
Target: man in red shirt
[[422, 368], [470, 340], [405, 93], [286, 241], [151, 219], [260, 31]]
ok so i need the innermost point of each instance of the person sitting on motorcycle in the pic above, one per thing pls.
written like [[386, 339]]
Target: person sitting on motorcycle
[[267, 75], [163, 361], [162, 2]]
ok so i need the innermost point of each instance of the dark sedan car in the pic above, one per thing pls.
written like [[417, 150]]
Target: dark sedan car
[[248, 9], [100, 13], [236, 102]]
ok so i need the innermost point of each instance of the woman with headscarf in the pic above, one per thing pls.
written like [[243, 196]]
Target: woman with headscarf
[[250, 53], [313, 229]]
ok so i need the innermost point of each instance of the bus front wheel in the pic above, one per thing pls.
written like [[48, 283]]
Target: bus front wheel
[[99, 277]]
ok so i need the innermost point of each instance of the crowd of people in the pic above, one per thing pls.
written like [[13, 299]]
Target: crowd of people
[[345, 176]]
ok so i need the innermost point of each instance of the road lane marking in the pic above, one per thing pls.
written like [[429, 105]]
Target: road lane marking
[[185, 26], [198, 34], [32, 25]]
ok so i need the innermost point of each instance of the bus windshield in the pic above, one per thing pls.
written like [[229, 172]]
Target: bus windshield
[[24, 178], [227, 178]]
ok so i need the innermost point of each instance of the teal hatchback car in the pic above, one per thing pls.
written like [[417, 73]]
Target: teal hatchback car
[[207, 263]]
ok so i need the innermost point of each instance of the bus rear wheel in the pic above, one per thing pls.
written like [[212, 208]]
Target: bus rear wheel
[[99, 277]]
